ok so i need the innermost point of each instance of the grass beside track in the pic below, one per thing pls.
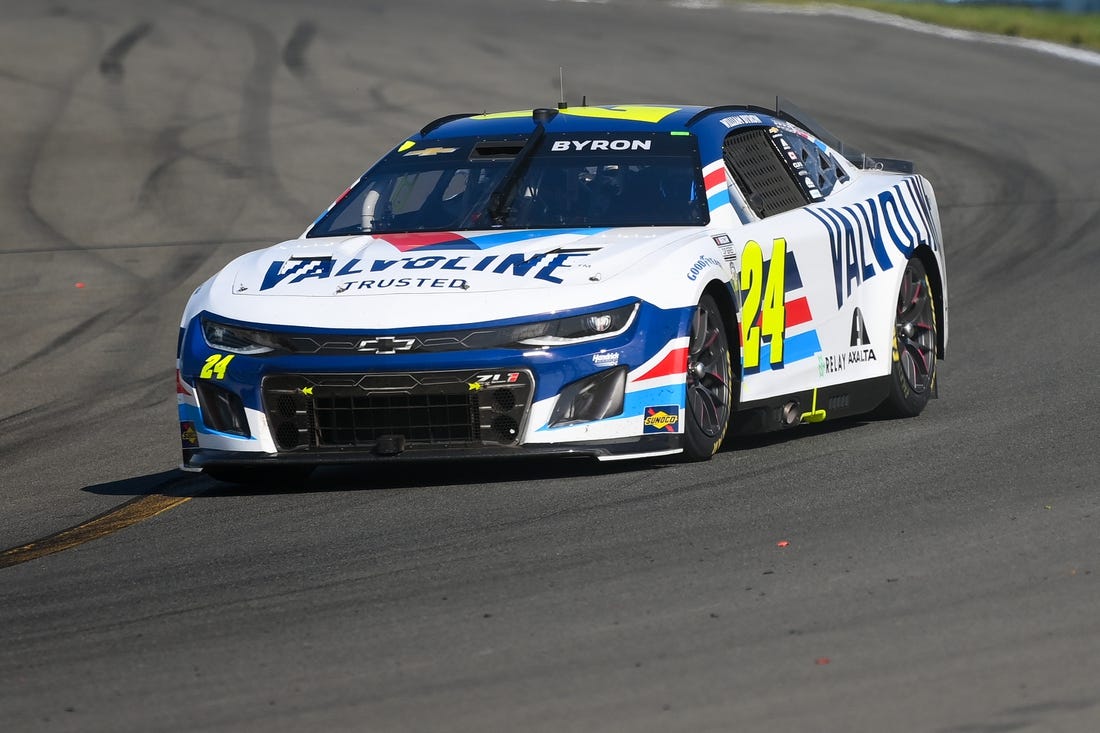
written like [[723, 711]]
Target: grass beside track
[[1081, 30]]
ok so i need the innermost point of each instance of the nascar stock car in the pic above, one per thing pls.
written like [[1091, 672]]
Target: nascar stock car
[[609, 281]]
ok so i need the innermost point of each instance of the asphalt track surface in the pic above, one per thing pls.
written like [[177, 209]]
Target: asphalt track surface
[[941, 574]]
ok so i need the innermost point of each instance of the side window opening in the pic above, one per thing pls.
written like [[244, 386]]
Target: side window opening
[[841, 174], [764, 179], [815, 168]]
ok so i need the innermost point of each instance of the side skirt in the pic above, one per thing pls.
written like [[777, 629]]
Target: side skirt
[[788, 411]]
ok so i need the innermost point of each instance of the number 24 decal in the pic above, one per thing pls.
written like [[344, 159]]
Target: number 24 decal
[[215, 366], [764, 313]]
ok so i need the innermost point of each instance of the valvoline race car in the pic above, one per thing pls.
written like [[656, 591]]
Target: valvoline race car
[[613, 281]]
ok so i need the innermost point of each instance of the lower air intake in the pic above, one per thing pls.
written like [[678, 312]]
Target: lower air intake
[[362, 419], [458, 409]]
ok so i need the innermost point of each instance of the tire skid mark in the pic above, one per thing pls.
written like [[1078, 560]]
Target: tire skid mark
[[168, 149], [1077, 238], [1016, 203], [37, 425], [149, 291], [294, 52], [173, 151], [294, 58], [387, 69], [1021, 210], [110, 63], [64, 340], [377, 94], [35, 226], [254, 132], [259, 240], [109, 522]]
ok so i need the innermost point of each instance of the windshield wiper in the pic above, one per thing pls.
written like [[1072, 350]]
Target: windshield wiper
[[501, 198]]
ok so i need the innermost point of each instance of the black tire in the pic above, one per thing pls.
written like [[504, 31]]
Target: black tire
[[709, 383], [913, 376], [260, 477]]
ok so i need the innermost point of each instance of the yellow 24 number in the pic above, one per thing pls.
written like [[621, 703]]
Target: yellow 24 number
[[215, 366], [764, 313]]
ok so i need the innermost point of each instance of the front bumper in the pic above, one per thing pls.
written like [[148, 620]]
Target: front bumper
[[590, 400], [647, 446]]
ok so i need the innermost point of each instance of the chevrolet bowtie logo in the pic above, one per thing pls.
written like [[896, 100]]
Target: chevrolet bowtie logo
[[384, 345], [430, 151]]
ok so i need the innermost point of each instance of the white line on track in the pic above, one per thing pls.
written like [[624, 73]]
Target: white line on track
[[1054, 49], [1081, 55]]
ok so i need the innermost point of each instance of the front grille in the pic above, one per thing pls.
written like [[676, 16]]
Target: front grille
[[460, 409], [361, 420]]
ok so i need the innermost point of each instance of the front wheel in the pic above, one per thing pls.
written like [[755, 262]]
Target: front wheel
[[709, 390], [913, 376]]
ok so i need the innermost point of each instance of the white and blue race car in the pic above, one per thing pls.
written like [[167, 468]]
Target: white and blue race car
[[613, 281]]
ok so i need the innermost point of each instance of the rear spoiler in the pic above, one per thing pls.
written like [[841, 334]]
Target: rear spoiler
[[788, 110]]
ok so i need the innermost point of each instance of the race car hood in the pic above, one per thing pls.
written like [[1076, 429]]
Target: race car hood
[[436, 262]]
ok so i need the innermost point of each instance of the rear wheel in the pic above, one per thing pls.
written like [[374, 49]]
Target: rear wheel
[[709, 391], [913, 376]]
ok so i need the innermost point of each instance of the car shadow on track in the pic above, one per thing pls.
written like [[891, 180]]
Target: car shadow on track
[[410, 475], [167, 483], [375, 477], [469, 472], [740, 443]]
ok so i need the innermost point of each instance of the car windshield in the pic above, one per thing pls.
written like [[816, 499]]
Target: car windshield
[[574, 180]]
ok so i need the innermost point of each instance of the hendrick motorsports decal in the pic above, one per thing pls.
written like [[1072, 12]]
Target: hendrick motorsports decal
[[606, 359]]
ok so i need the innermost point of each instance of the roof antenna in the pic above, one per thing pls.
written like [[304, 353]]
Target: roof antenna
[[584, 100], [561, 85]]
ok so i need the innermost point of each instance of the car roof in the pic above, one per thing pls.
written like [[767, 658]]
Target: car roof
[[601, 118]]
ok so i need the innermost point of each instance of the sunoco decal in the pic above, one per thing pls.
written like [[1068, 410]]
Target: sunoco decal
[[663, 419]]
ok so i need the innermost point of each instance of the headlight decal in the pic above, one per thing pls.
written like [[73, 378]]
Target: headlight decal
[[237, 339], [580, 329]]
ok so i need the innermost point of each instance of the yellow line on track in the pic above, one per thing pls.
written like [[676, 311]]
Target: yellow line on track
[[122, 516]]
